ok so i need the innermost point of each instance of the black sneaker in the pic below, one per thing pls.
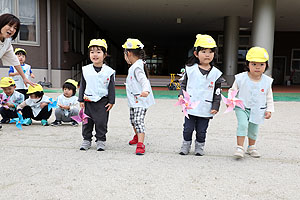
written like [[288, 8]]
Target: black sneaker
[[74, 123], [56, 123], [5, 121]]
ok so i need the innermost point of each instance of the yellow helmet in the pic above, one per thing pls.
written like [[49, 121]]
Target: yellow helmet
[[99, 43], [257, 54], [36, 88], [6, 82], [205, 41], [20, 49], [133, 44], [73, 82]]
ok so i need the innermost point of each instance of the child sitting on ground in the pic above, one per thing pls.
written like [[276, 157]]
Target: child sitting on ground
[[67, 104], [10, 99], [36, 106]]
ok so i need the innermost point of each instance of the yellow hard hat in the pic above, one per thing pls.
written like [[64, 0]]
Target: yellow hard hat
[[257, 54], [98, 42], [73, 82], [6, 82], [133, 44], [20, 49], [205, 41], [36, 88]]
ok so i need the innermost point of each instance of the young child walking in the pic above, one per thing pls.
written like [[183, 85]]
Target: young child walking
[[254, 89], [20, 86], [203, 83], [67, 104], [36, 106], [10, 100], [96, 95], [138, 89]]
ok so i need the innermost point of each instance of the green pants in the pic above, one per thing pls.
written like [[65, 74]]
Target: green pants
[[245, 128]]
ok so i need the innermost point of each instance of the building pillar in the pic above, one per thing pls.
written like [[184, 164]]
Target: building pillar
[[230, 48], [263, 27]]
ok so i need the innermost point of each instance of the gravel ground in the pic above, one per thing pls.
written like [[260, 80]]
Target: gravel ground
[[46, 163]]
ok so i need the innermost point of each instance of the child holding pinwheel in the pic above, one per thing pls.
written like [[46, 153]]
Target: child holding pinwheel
[[255, 91], [36, 106], [10, 99], [202, 81], [96, 95], [67, 104]]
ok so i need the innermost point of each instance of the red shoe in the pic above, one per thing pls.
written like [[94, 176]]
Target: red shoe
[[140, 149], [134, 140]]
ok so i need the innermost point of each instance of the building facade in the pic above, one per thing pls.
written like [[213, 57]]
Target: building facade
[[56, 34]]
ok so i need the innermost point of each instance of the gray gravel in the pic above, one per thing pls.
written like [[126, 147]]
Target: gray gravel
[[46, 163]]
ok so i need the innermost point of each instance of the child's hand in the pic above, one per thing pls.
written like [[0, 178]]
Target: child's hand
[[43, 104], [32, 75], [213, 112], [267, 115], [109, 106], [180, 97], [81, 104], [10, 105], [144, 94]]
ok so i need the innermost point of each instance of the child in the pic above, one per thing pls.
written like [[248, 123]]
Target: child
[[67, 103], [96, 94], [20, 86], [203, 82], [9, 29], [36, 106], [15, 98], [256, 93], [138, 89]]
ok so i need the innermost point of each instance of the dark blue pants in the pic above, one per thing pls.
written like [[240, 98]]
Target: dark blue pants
[[43, 114], [8, 114], [198, 124]]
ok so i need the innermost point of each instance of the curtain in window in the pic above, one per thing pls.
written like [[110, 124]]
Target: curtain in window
[[6, 6], [27, 15]]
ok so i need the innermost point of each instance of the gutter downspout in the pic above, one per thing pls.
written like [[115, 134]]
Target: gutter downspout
[[49, 74]]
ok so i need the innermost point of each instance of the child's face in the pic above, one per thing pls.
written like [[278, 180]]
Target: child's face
[[8, 31], [205, 56], [257, 68], [126, 54], [67, 92], [33, 96], [21, 58], [9, 90], [97, 56]]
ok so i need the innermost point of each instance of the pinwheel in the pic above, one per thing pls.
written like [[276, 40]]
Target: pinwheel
[[186, 104], [232, 101], [19, 121], [81, 117], [52, 104], [4, 101]]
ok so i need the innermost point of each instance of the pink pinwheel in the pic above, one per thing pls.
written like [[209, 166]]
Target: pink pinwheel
[[232, 101], [4, 101], [81, 117], [186, 104]]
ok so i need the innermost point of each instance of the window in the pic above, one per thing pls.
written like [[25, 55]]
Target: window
[[75, 31], [27, 12], [244, 45], [154, 64], [295, 60]]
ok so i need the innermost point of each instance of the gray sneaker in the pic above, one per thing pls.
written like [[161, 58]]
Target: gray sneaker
[[185, 148], [100, 145], [199, 148], [85, 145]]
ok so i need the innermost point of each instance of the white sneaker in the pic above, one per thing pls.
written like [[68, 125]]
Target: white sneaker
[[252, 151], [239, 152]]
